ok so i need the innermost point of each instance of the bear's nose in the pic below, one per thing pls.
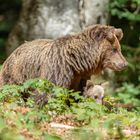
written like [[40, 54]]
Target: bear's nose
[[124, 64]]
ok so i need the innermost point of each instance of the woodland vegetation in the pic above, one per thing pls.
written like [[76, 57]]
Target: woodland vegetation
[[69, 115]]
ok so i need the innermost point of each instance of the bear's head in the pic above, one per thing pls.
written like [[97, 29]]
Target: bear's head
[[107, 39]]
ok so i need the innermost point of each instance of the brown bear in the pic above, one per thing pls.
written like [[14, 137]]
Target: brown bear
[[67, 61]]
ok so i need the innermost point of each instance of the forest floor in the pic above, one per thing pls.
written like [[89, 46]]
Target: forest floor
[[68, 115]]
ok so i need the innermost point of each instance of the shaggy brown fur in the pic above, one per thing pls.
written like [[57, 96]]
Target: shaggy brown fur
[[68, 61]]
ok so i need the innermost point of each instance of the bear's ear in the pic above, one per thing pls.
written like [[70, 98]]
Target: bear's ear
[[119, 33], [110, 37], [89, 84], [99, 35]]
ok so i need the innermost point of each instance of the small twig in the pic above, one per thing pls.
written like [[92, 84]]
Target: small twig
[[58, 125]]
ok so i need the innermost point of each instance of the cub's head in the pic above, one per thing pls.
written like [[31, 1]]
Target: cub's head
[[95, 91], [107, 38]]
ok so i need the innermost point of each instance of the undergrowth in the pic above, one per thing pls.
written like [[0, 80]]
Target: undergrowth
[[22, 118]]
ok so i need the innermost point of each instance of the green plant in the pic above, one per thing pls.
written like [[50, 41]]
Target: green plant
[[129, 93], [126, 9], [26, 120]]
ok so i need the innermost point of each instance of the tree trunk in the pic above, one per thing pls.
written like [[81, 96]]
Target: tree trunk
[[55, 18]]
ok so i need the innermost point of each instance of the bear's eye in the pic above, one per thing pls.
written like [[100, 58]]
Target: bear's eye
[[114, 50]]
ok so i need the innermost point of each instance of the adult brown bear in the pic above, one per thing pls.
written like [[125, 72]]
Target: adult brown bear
[[67, 61]]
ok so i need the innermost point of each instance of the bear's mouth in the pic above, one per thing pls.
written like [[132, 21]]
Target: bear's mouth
[[113, 66]]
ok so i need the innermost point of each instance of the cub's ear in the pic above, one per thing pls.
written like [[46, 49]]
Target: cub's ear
[[105, 84], [89, 84], [119, 33]]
